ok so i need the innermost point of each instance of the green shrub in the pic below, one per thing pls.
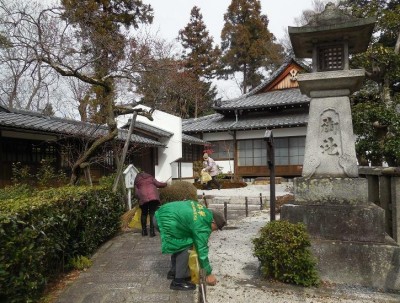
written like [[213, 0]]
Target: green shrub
[[41, 233], [16, 191], [178, 191], [283, 249], [46, 175], [81, 262]]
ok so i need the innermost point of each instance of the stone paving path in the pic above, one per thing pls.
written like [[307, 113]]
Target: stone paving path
[[128, 268]]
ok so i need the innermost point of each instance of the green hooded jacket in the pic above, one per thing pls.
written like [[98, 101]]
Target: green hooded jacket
[[183, 224]]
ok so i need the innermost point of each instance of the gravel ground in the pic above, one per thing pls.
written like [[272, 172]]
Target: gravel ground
[[249, 191], [237, 271]]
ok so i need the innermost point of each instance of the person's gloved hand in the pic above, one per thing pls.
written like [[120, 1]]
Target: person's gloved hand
[[211, 280]]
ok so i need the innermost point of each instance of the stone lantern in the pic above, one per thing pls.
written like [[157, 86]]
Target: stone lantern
[[347, 231], [329, 39]]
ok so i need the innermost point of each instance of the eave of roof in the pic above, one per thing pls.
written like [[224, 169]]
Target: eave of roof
[[150, 129], [220, 123], [264, 101], [31, 121], [257, 100], [193, 140]]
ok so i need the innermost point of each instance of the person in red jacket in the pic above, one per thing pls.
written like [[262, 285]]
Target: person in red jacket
[[146, 190]]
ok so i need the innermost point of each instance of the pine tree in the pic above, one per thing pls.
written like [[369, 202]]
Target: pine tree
[[200, 57], [247, 44]]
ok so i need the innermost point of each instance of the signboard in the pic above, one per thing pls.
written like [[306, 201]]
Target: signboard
[[130, 174]]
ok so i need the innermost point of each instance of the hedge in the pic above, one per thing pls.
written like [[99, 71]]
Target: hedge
[[41, 233]]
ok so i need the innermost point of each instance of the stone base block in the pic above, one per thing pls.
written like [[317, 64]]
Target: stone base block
[[339, 222], [354, 263], [351, 191]]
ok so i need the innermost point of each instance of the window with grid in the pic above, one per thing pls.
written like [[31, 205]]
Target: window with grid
[[191, 152], [28, 152], [289, 151], [222, 150], [252, 152], [330, 58]]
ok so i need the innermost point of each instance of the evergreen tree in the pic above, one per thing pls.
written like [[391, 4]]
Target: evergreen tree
[[247, 45], [375, 108], [200, 57]]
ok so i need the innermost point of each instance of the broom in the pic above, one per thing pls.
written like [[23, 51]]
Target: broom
[[127, 217]]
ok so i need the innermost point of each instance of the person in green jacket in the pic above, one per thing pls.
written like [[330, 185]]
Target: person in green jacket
[[182, 225]]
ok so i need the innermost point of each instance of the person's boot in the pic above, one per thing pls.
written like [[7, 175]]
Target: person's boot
[[152, 232], [143, 220]]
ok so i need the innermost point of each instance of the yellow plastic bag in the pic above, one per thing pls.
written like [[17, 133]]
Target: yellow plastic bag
[[205, 177], [194, 267], [135, 223]]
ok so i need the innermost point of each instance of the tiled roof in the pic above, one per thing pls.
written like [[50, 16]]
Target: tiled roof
[[254, 99], [192, 140], [53, 125], [219, 122], [286, 97], [158, 132], [275, 74]]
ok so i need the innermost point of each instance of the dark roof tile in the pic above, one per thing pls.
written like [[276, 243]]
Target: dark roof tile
[[36, 122], [218, 122]]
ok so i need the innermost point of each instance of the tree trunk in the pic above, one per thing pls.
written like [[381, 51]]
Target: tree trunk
[[244, 79], [124, 151], [76, 169]]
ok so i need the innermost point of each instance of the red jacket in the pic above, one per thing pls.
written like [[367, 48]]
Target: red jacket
[[146, 188]]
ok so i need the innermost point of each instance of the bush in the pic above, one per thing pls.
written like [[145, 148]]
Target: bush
[[81, 262], [283, 250], [42, 232], [15, 191], [178, 191]]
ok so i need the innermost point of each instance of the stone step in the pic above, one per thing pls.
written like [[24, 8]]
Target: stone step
[[233, 214], [234, 206], [235, 200]]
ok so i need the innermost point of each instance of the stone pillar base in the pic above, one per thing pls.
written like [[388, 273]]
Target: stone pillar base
[[339, 222], [331, 191], [354, 263]]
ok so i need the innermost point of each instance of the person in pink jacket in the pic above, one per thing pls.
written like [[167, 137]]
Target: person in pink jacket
[[211, 167], [146, 190]]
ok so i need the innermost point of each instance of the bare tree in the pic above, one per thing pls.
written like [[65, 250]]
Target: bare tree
[[77, 42]]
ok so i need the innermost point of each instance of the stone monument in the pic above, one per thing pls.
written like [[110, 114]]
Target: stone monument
[[348, 231]]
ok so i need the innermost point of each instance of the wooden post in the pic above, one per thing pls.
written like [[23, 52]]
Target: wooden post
[[226, 211], [205, 201], [271, 165], [247, 207]]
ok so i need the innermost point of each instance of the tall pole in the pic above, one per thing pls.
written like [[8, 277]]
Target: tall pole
[[271, 166]]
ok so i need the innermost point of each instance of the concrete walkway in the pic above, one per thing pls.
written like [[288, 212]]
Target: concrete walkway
[[128, 268]]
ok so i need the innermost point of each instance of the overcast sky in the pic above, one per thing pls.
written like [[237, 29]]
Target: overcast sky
[[172, 15]]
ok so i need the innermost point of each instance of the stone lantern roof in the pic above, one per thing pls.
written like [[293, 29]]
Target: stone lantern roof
[[332, 26]]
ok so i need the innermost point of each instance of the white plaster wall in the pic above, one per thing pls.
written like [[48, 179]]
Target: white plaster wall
[[217, 136], [173, 150], [277, 133], [226, 166], [255, 134], [186, 170]]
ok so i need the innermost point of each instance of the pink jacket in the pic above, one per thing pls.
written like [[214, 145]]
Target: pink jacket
[[146, 188], [210, 166]]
